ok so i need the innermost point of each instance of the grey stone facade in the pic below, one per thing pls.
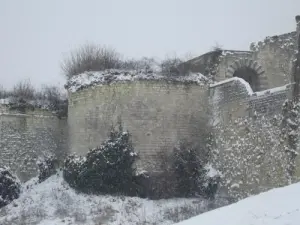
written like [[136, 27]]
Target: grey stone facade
[[27, 137], [158, 114], [243, 107]]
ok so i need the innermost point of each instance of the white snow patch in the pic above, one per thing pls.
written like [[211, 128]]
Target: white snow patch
[[112, 76], [279, 206], [235, 79]]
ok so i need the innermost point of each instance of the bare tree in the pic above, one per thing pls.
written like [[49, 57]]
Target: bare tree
[[169, 66], [3, 92], [90, 57], [24, 90], [145, 63]]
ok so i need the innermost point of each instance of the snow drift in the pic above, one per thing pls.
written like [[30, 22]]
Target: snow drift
[[279, 206]]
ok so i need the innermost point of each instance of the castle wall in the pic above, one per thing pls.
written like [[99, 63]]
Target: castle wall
[[249, 149], [275, 55], [24, 138], [158, 114]]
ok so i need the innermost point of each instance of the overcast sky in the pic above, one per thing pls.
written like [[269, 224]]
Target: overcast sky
[[35, 34]]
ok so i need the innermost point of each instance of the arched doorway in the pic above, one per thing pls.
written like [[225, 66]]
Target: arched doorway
[[248, 75], [250, 71]]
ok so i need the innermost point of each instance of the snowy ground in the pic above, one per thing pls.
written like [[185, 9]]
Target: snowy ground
[[53, 202], [276, 207]]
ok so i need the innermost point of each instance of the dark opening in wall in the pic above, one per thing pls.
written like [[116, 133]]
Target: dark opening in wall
[[248, 75]]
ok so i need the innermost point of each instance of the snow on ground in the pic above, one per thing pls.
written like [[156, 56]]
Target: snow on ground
[[279, 206], [88, 79], [54, 202]]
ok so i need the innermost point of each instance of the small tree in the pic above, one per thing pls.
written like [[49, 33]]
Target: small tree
[[189, 170], [90, 57], [10, 188], [192, 174]]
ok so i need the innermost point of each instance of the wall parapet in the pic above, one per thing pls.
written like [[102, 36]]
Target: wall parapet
[[234, 98]]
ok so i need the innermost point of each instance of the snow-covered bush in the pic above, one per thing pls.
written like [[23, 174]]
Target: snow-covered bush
[[191, 172], [106, 169], [47, 167], [9, 187], [73, 165]]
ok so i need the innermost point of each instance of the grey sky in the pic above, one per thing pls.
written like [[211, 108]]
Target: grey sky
[[35, 34]]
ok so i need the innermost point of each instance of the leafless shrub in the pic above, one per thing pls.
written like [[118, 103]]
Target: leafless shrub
[[217, 47], [145, 63], [52, 96], [24, 89], [90, 57], [3, 92], [169, 66]]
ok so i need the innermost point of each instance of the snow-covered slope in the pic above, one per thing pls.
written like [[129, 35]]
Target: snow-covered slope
[[276, 207], [54, 202]]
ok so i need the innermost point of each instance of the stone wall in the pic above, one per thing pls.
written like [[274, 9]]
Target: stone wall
[[158, 114], [24, 138], [276, 54], [249, 147]]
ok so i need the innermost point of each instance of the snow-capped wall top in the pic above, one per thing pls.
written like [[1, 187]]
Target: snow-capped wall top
[[235, 79], [89, 79], [284, 41]]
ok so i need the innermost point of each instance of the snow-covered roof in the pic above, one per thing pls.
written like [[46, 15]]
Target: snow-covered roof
[[97, 78]]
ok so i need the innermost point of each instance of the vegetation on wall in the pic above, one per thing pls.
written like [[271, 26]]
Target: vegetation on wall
[[92, 57], [24, 96]]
